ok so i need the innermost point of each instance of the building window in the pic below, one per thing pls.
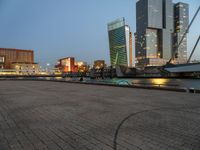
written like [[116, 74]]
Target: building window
[[2, 59]]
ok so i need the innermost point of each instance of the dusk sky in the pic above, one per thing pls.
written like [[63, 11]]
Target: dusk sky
[[62, 28]]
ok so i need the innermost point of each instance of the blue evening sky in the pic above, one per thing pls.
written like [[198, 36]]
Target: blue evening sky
[[61, 28]]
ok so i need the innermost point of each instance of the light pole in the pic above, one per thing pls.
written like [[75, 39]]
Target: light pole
[[47, 68]]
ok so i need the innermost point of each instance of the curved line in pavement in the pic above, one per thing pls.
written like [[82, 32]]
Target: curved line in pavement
[[140, 112]]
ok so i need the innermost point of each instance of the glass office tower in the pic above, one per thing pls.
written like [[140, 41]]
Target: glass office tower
[[181, 22], [154, 32], [119, 42]]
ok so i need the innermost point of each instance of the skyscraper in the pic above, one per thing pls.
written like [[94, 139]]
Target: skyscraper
[[181, 22], [159, 29], [119, 42], [154, 32]]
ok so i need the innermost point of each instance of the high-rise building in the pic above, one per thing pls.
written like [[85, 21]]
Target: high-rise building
[[181, 22], [154, 32], [8, 56], [119, 42], [130, 60], [159, 29]]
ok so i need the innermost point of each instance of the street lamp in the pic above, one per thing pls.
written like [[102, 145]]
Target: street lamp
[[47, 68]]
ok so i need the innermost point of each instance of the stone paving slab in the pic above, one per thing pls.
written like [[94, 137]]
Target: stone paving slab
[[39, 115]]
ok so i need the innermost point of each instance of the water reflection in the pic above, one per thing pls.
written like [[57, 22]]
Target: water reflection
[[58, 78], [160, 81]]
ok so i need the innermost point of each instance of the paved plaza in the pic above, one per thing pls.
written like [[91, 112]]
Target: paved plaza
[[42, 115]]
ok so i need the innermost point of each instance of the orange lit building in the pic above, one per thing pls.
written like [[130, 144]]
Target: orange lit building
[[9, 56], [99, 64], [67, 65], [82, 66]]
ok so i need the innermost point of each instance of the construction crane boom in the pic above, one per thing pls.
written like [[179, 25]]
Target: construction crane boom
[[193, 50], [187, 30]]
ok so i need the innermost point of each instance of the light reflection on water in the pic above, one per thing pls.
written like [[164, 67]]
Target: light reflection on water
[[187, 83], [160, 81], [58, 78]]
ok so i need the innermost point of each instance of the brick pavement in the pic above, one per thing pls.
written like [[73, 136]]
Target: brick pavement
[[39, 115]]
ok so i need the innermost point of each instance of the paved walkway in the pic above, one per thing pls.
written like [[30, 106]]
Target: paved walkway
[[39, 115]]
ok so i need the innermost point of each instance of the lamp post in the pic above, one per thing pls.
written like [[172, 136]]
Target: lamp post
[[47, 68]]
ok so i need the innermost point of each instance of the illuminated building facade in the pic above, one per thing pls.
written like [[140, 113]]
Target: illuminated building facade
[[9, 56], [26, 68], [67, 64], [119, 42], [181, 22], [130, 50], [99, 64], [82, 66], [154, 32]]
